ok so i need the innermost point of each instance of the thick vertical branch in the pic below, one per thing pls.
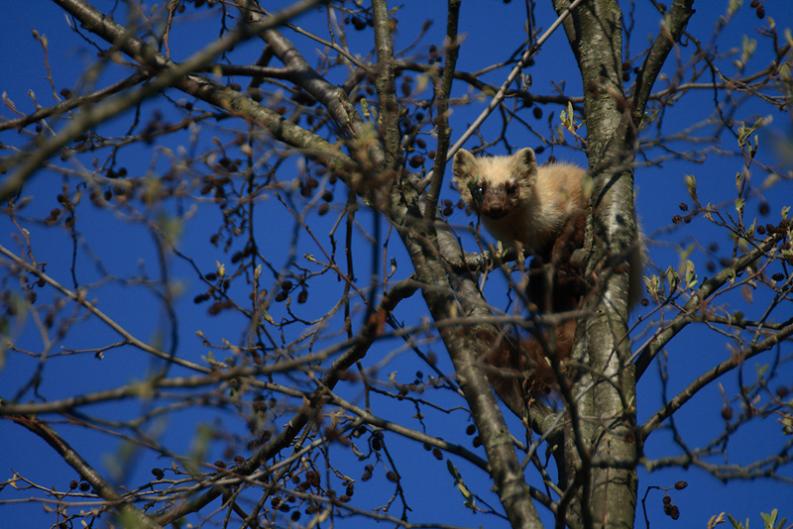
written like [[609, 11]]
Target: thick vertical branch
[[607, 392], [442, 91], [672, 26], [389, 108], [303, 75], [462, 298]]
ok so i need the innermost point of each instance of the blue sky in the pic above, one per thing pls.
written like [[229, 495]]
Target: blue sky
[[492, 30]]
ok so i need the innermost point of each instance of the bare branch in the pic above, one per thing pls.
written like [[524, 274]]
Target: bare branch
[[72, 103], [443, 89], [171, 75], [647, 352], [291, 429], [126, 510], [499, 96], [386, 93], [735, 360], [672, 27], [333, 97], [79, 298]]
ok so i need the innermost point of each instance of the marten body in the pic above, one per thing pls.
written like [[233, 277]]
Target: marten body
[[519, 202], [521, 370], [541, 211]]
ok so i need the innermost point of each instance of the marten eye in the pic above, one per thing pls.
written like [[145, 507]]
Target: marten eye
[[477, 192], [512, 189]]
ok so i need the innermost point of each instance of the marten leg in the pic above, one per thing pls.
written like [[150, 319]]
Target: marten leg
[[547, 359], [506, 367], [556, 281], [569, 240], [554, 288], [530, 369]]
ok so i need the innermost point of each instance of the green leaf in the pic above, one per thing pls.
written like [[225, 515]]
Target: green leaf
[[733, 6], [671, 279], [748, 47], [691, 274], [745, 131], [171, 228], [769, 519], [691, 185], [458, 482], [739, 204], [715, 520], [129, 519], [365, 108], [199, 448], [567, 116], [736, 524], [653, 285], [787, 423]]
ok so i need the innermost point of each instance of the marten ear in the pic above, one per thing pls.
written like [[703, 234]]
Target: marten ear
[[463, 166], [525, 162]]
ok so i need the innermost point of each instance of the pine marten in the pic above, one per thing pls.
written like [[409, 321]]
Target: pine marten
[[540, 210], [519, 201]]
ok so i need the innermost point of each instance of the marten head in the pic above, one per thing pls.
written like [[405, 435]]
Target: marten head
[[495, 186]]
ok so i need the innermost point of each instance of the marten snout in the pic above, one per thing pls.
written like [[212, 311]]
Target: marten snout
[[498, 202], [495, 211]]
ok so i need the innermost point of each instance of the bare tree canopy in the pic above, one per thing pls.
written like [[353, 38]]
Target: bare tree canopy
[[239, 288]]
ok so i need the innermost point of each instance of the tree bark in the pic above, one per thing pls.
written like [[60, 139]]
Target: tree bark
[[601, 443]]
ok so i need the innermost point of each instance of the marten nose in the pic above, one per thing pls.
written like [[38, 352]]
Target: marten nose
[[495, 212]]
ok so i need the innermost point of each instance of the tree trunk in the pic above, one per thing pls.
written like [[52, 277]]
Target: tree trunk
[[601, 444]]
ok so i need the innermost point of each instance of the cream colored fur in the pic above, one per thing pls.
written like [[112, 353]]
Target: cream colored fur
[[544, 198], [547, 195]]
